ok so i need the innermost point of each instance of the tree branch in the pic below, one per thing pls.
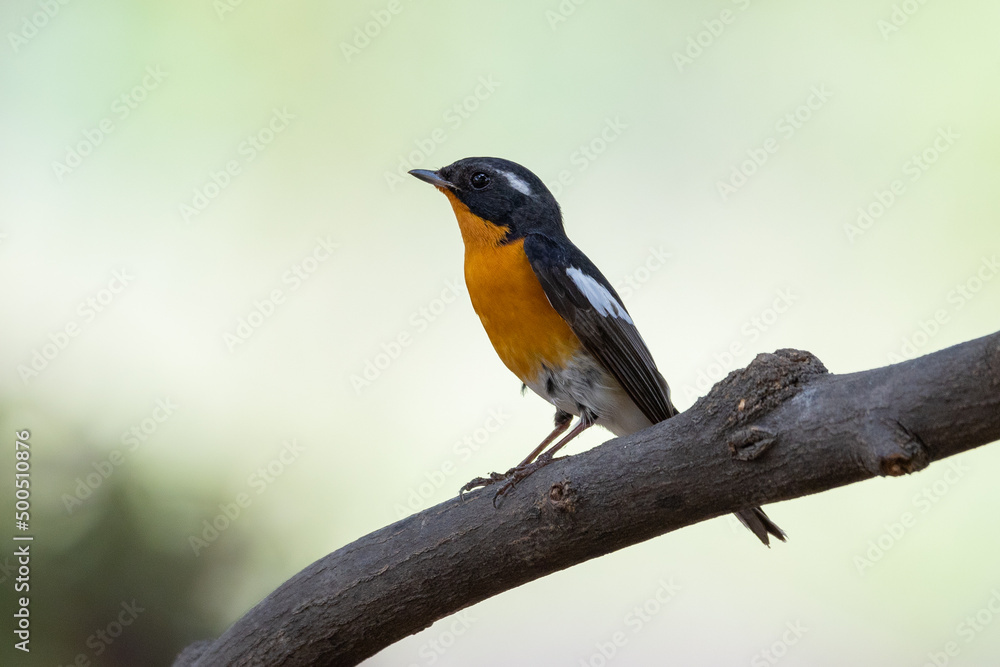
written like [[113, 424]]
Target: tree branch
[[781, 428]]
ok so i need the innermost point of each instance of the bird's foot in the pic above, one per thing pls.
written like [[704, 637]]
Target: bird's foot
[[509, 479], [483, 481]]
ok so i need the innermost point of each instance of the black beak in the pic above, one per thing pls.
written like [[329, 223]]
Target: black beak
[[432, 177]]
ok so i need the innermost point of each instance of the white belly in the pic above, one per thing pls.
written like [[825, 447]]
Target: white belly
[[583, 384]]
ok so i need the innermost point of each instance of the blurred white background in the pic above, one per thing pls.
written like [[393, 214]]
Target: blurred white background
[[714, 158]]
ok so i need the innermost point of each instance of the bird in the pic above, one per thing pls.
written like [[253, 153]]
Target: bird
[[553, 318]]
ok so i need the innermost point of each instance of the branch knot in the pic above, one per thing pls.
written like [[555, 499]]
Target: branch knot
[[892, 450], [769, 381]]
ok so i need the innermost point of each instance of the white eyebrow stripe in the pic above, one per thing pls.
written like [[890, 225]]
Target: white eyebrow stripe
[[518, 183], [597, 294]]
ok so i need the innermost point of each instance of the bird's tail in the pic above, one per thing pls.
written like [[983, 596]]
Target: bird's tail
[[759, 524], [753, 517]]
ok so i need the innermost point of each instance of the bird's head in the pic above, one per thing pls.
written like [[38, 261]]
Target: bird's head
[[496, 201]]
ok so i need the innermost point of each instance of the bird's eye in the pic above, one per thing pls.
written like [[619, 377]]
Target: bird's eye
[[479, 180]]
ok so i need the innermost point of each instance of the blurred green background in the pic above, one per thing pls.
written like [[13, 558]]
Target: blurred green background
[[208, 260]]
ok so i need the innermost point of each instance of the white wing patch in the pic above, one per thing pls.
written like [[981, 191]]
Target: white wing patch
[[600, 298], [518, 183]]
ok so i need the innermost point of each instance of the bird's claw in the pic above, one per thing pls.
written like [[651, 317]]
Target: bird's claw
[[509, 478], [483, 481]]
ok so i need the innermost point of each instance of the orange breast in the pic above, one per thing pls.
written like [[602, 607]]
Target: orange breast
[[524, 328]]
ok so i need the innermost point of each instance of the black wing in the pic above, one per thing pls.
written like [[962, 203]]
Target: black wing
[[597, 316]]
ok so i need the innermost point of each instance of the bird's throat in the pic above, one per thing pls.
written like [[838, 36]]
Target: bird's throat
[[476, 232]]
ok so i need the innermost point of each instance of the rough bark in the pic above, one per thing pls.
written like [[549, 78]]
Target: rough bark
[[781, 428]]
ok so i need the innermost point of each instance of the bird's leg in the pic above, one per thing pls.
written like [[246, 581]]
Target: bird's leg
[[515, 475], [530, 464], [562, 421], [586, 421]]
